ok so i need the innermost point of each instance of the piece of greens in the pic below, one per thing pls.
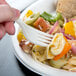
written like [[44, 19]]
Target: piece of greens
[[51, 18], [46, 16]]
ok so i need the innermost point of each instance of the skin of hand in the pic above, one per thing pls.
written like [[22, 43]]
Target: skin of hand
[[7, 17]]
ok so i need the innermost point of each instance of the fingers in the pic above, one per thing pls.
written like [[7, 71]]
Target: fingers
[[9, 27], [7, 17], [17, 14], [3, 2], [8, 14], [2, 31]]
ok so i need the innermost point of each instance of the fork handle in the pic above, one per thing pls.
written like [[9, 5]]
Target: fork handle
[[21, 23]]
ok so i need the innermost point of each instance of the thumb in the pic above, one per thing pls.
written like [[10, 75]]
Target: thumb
[[8, 14]]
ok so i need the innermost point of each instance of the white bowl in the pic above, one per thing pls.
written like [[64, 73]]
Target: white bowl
[[26, 59]]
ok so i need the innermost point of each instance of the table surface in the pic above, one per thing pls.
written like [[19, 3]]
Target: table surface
[[9, 65]]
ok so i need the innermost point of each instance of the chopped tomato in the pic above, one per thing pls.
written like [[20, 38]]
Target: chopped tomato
[[41, 24]]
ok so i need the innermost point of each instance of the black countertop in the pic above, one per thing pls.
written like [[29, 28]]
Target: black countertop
[[9, 65]]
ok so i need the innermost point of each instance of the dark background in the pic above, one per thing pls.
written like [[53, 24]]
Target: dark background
[[9, 65]]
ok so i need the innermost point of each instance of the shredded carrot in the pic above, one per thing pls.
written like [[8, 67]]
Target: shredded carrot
[[67, 47]]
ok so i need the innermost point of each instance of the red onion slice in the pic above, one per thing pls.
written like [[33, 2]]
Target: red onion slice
[[54, 27], [73, 49], [73, 19]]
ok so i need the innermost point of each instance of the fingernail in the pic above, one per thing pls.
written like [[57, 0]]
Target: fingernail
[[12, 31], [9, 27], [17, 13]]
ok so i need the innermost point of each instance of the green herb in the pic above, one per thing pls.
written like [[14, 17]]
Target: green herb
[[56, 18], [51, 18], [46, 16]]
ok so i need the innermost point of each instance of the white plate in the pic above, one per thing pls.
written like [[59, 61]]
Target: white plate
[[26, 59]]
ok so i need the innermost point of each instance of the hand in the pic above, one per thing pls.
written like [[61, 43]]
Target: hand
[[7, 17]]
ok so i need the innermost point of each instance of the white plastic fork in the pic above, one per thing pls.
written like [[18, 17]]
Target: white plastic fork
[[33, 35]]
